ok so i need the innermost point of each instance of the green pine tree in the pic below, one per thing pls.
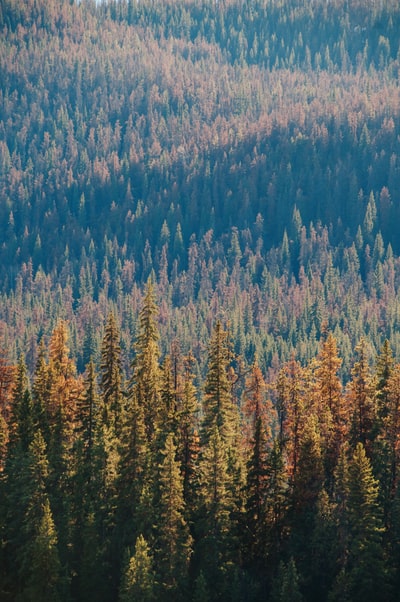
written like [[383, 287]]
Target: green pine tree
[[111, 375], [145, 383], [138, 579], [218, 405], [216, 546], [173, 542], [366, 570], [287, 584]]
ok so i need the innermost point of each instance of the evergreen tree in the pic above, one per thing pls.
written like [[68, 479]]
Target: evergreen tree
[[256, 494], [276, 504], [286, 586], [386, 428], [172, 548], [40, 562], [324, 550], [87, 409], [188, 439], [33, 538], [41, 392], [364, 576], [307, 484], [133, 475], [111, 375], [218, 404], [138, 579], [294, 411], [384, 369], [169, 394], [361, 399], [216, 547], [145, 382]]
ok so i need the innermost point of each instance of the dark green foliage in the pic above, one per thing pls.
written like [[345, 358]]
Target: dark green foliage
[[198, 221], [111, 375], [286, 587], [172, 540]]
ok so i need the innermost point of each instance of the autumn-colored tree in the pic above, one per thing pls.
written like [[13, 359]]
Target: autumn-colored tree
[[292, 385], [256, 405], [7, 376], [330, 403]]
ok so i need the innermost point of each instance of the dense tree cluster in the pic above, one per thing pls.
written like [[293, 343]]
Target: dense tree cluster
[[159, 487], [137, 124], [199, 300]]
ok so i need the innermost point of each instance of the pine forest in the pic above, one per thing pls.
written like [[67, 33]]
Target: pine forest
[[199, 300]]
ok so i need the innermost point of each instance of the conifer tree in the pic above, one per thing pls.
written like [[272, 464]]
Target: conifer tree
[[88, 408], [145, 382], [256, 495], [324, 549], [83, 476], [169, 394], [216, 546], [17, 485], [293, 410], [218, 405], [307, 484], [340, 503], [286, 586], [41, 563], [386, 428], [361, 399], [384, 369], [34, 539], [133, 474], [41, 392], [391, 429], [187, 438], [367, 578], [111, 376], [138, 579], [172, 548], [256, 406], [276, 504], [21, 421], [7, 378], [330, 404]]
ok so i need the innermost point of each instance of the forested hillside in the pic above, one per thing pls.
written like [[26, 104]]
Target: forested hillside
[[200, 300]]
